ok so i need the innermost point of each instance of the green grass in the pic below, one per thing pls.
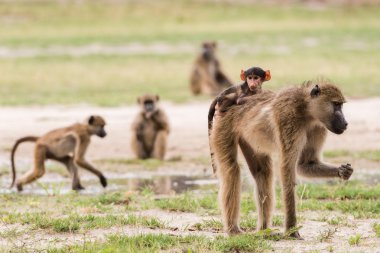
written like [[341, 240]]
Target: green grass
[[350, 190], [376, 229], [75, 222], [11, 233], [76, 213], [295, 42], [148, 164], [373, 155], [355, 240], [161, 242], [189, 202]]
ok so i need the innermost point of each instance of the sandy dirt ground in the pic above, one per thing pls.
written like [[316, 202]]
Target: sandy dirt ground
[[188, 137]]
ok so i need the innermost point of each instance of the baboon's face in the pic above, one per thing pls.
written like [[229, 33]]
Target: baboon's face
[[254, 82], [96, 126], [208, 50], [329, 110], [148, 103]]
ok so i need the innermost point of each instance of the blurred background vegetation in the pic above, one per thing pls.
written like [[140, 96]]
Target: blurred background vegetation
[[109, 52]]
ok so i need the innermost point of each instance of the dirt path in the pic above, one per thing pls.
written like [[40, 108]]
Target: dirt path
[[188, 123]]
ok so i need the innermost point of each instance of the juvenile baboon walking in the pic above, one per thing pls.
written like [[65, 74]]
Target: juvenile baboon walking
[[207, 76], [292, 123], [66, 145], [150, 129]]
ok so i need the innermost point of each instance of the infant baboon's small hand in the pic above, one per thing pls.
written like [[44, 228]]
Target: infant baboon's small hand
[[345, 171]]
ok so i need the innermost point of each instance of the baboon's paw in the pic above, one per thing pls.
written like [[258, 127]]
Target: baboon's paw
[[19, 187], [234, 231], [103, 181], [78, 187], [296, 235], [345, 171]]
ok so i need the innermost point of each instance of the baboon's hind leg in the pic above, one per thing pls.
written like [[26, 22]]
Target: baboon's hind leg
[[38, 169], [229, 188], [261, 169], [159, 148]]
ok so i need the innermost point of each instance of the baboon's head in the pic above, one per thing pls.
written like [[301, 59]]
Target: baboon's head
[[96, 125], [148, 103], [326, 105], [208, 50]]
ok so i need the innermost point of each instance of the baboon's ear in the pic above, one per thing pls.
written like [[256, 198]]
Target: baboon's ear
[[315, 92], [91, 120], [157, 98], [214, 44], [139, 100]]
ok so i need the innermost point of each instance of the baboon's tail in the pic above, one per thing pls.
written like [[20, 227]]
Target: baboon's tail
[[211, 114], [21, 140]]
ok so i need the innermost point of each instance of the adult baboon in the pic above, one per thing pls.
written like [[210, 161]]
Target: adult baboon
[[207, 76], [67, 145], [150, 129], [292, 123]]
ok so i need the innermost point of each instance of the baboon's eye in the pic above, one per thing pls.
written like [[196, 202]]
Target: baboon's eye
[[337, 104]]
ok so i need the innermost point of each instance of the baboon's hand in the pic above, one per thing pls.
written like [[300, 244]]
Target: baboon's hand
[[345, 171], [103, 181]]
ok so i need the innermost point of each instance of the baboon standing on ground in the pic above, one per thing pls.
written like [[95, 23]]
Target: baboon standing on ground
[[207, 76], [292, 123], [150, 129], [66, 145]]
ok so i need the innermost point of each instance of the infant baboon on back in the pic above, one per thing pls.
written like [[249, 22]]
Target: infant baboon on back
[[207, 76], [237, 95], [150, 129]]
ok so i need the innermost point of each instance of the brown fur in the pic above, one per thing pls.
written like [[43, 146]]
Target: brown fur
[[150, 130], [292, 123], [238, 94], [207, 76], [66, 145]]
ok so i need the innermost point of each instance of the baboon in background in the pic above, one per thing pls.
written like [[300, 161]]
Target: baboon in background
[[293, 123], [66, 145], [207, 76], [150, 129]]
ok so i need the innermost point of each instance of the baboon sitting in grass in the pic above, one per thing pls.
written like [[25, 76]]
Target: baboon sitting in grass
[[150, 129], [207, 76]]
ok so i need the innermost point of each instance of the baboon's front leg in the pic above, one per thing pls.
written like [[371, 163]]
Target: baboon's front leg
[[309, 164], [76, 185], [288, 184], [68, 161], [86, 165], [138, 147], [261, 169], [80, 161], [318, 169]]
